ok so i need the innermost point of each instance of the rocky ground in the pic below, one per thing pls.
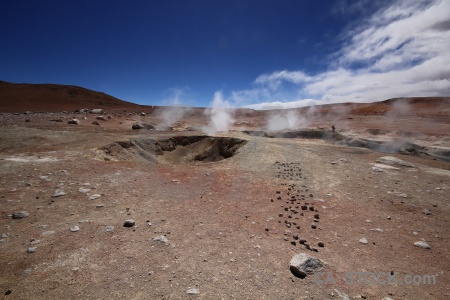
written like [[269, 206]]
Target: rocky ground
[[202, 226]]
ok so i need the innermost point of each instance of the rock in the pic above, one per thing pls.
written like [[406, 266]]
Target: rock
[[302, 264], [95, 196], [20, 214], [129, 223], [377, 169], [74, 122], [390, 160], [8, 292], [161, 239], [422, 244], [321, 244], [74, 228], [427, 212], [47, 233], [142, 126], [313, 226], [101, 118], [84, 190], [109, 228], [386, 167], [31, 249], [193, 291], [96, 111], [364, 241], [96, 123], [58, 193]]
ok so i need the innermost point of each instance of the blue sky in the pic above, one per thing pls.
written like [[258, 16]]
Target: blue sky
[[247, 53]]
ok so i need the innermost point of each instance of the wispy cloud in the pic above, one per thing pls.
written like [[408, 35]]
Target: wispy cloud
[[401, 50]]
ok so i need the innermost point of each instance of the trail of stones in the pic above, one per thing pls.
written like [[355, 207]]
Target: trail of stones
[[296, 205]]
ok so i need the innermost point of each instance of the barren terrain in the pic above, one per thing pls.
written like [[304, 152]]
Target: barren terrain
[[233, 206]]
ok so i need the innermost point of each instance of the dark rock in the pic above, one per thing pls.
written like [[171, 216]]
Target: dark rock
[[20, 214], [321, 244], [129, 223]]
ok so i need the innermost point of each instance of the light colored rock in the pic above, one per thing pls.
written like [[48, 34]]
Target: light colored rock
[[31, 249], [376, 169], [84, 190], [74, 228], [193, 291], [47, 233], [58, 193], [161, 239], [364, 241], [96, 111], [302, 264], [94, 197], [391, 160], [422, 244], [386, 167]]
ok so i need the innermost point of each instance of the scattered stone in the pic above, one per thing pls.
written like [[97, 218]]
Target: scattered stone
[[364, 241], [84, 190], [95, 196], [377, 229], [47, 233], [161, 239], [20, 214], [422, 244], [302, 241], [377, 169], [8, 292], [142, 126], [58, 193], [74, 122], [129, 223], [193, 291], [390, 160], [313, 226], [109, 228], [31, 249], [293, 243], [295, 236], [101, 118], [321, 244], [74, 228], [100, 206], [96, 123], [385, 167], [96, 111], [302, 264], [427, 212]]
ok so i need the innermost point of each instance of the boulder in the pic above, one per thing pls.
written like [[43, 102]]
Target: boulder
[[302, 264], [74, 122], [96, 111]]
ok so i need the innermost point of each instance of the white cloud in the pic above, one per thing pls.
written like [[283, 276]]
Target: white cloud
[[402, 50]]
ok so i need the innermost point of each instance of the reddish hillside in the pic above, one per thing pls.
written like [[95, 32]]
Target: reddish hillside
[[55, 98], [406, 106]]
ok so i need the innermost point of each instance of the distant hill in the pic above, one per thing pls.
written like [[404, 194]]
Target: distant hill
[[406, 106], [56, 98]]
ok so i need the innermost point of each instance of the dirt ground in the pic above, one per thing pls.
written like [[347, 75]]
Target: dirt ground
[[230, 223]]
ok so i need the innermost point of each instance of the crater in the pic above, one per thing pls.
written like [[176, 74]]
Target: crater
[[175, 150]]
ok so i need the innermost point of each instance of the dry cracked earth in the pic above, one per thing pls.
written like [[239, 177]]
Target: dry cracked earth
[[215, 217]]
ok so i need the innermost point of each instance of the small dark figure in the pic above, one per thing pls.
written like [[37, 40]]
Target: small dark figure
[[333, 129]]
